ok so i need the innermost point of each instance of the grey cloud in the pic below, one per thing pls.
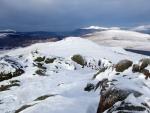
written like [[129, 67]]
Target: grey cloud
[[70, 14]]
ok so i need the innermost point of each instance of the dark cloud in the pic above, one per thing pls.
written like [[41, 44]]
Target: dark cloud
[[69, 14]]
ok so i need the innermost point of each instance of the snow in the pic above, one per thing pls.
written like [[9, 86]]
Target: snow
[[68, 82], [2, 35], [121, 38], [100, 28], [76, 45], [141, 28], [96, 27]]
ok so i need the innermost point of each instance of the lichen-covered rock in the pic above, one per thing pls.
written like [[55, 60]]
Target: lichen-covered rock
[[112, 96], [123, 65], [78, 59], [144, 63]]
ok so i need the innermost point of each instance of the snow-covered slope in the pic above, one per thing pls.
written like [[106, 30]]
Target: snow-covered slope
[[121, 38], [76, 45], [51, 77], [141, 28]]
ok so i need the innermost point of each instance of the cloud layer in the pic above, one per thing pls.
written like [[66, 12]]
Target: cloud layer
[[70, 14]]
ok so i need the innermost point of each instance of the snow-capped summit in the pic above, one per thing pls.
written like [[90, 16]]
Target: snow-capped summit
[[7, 31], [100, 28]]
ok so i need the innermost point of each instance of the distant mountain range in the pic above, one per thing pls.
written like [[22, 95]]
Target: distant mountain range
[[13, 39]]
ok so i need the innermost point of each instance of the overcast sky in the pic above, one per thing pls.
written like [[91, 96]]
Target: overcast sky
[[54, 15]]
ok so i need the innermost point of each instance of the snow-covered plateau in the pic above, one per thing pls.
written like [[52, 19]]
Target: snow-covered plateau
[[75, 75], [121, 38]]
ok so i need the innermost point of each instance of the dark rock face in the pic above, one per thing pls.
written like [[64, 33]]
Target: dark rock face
[[123, 65], [135, 68], [89, 87]]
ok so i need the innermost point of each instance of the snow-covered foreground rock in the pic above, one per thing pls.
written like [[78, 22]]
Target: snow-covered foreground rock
[[60, 77], [121, 38]]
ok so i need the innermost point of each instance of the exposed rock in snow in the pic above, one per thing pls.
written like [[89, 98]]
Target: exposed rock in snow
[[53, 82]]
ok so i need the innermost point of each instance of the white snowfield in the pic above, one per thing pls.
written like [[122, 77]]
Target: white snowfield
[[121, 38], [62, 89], [141, 28]]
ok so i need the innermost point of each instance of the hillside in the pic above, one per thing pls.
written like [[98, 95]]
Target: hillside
[[71, 75], [121, 38]]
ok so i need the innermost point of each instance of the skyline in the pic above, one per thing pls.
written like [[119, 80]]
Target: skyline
[[66, 15]]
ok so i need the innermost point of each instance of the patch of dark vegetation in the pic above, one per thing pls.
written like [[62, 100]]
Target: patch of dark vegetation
[[44, 97], [117, 73], [49, 60], [78, 59], [23, 108], [11, 84], [123, 65], [39, 59], [89, 87], [40, 72], [100, 71], [1, 102], [40, 65], [6, 76]]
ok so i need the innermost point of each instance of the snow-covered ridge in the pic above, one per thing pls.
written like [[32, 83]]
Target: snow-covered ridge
[[55, 74], [75, 45]]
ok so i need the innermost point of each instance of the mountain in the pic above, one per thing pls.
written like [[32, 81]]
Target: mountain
[[142, 29], [10, 39], [70, 76], [121, 38]]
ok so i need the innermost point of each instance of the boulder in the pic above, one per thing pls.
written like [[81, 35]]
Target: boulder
[[78, 59], [144, 63], [123, 65], [112, 96]]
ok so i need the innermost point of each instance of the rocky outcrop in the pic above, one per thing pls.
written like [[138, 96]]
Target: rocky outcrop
[[123, 65], [78, 59], [9, 68], [119, 92]]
